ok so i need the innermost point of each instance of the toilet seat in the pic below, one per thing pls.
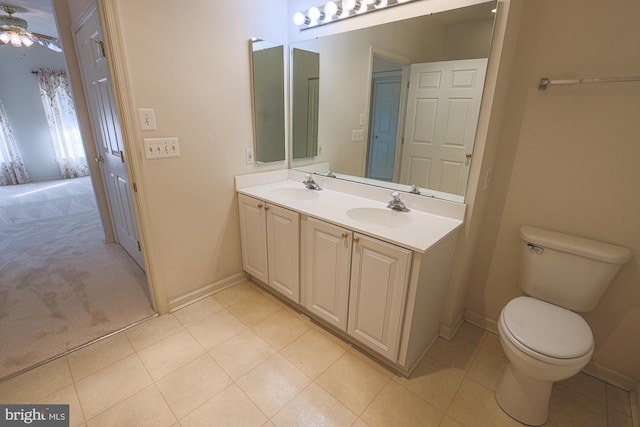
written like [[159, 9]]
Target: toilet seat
[[546, 331]]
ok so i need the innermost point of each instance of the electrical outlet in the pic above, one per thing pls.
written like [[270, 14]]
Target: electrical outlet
[[248, 156], [357, 135], [319, 149], [160, 148], [147, 118], [363, 120]]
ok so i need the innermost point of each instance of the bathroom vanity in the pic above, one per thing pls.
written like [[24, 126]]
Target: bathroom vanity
[[376, 276]]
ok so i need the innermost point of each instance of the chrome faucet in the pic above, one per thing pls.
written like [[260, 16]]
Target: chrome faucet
[[310, 183], [396, 204]]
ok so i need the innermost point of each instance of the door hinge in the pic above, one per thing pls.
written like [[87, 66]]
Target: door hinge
[[139, 247], [135, 187], [122, 156], [408, 83]]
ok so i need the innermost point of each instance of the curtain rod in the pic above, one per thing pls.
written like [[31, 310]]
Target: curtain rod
[[546, 81]]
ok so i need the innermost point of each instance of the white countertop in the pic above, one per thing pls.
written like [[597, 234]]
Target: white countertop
[[417, 230]]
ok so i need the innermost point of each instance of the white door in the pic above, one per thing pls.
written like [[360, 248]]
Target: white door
[[326, 277], [108, 136], [441, 119], [283, 243], [379, 277], [384, 127], [253, 232]]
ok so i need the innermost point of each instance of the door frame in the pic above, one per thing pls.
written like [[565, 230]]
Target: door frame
[[406, 63], [107, 10]]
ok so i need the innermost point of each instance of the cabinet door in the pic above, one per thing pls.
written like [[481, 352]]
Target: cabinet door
[[379, 277], [283, 230], [326, 276], [253, 232]]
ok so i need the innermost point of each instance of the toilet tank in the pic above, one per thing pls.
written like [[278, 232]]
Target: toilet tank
[[569, 271]]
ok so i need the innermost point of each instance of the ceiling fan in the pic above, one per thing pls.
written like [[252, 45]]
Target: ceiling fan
[[13, 31]]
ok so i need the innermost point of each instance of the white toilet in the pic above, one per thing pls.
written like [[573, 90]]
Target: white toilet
[[543, 339]]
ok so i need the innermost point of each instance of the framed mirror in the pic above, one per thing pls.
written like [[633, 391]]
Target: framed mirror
[[399, 102], [267, 77]]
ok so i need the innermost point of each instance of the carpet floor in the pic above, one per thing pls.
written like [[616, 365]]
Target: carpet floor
[[61, 286]]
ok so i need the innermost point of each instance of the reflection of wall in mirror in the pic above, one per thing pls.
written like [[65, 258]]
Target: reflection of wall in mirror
[[268, 93], [345, 76], [304, 110]]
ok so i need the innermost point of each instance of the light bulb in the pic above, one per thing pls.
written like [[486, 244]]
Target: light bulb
[[5, 37], [300, 19], [314, 14], [349, 4], [381, 3], [26, 41], [361, 7], [15, 40], [331, 9]]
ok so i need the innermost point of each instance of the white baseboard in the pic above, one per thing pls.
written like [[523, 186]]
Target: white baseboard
[[205, 291], [481, 321], [594, 369], [449, 331], [635, 405]]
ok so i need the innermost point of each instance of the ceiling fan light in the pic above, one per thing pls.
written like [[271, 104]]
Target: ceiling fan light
[[26, 41], [5, 37], [15, 39]]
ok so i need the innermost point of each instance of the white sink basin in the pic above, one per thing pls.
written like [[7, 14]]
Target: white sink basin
[[381, 217], [295, 193]]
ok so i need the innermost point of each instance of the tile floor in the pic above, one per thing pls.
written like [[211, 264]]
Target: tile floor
[[242, 358]]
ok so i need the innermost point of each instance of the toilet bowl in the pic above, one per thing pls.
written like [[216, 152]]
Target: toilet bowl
[[544, 343], [541, 334]]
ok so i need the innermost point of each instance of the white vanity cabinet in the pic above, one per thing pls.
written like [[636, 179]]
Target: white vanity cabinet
[[270, 245], [355, 283], [326, 262], [377, 293]]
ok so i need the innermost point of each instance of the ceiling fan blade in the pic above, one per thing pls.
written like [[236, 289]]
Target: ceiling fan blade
[[48, 41]]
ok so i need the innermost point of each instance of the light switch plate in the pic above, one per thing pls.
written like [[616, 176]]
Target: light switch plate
[[160, 148], [357, 135], [147, 118]]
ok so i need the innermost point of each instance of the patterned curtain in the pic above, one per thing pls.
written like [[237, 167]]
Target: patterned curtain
[[12, 170], [60, 110]]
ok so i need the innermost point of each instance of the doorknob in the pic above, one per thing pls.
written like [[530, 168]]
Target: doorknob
[[99, 159]]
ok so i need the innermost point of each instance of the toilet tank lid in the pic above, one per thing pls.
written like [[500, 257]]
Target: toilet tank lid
[[581, 246]]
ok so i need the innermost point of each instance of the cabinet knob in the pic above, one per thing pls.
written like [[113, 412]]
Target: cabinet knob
[[356, 240], [344, 236], [266, 208], [260, 205]]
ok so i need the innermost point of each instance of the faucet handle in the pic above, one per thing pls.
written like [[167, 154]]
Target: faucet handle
[[395, 195]]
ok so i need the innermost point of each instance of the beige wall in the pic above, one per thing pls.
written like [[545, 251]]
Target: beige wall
[[567, 161]]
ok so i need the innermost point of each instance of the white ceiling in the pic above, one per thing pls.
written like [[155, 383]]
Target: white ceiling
[[37, 13]]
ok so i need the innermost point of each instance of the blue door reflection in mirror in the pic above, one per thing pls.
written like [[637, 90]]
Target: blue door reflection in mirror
[[306, 88], [267, 66]]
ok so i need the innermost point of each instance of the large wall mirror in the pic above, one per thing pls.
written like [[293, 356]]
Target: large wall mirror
[[267, 75], [398, 103]]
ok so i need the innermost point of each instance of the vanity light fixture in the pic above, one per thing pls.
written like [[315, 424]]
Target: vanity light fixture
[[340, 9]]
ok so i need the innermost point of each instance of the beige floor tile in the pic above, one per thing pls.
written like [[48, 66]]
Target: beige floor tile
[[398, 407], [216, 329], [617, 419], [102, 390], [449, 422], [471, 333], [231, 407], [167, 355], [491, 343], [475, 405], [193, 384], [242, 353], [37, 383], [588, 386], [101, 354], [145, 408], [66, 396], [234, 294], [487, 368], [313, 352], [353, 382], [314, 407], [434, 382], [281, 328], [360, 423], [153, 330], [457, 353], [569, 408], [198, 311], [254, 309], [274, 383], [378, 366], [618, 400]]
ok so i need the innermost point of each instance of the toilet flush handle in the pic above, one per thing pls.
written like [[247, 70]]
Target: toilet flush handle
[[535, 248]]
